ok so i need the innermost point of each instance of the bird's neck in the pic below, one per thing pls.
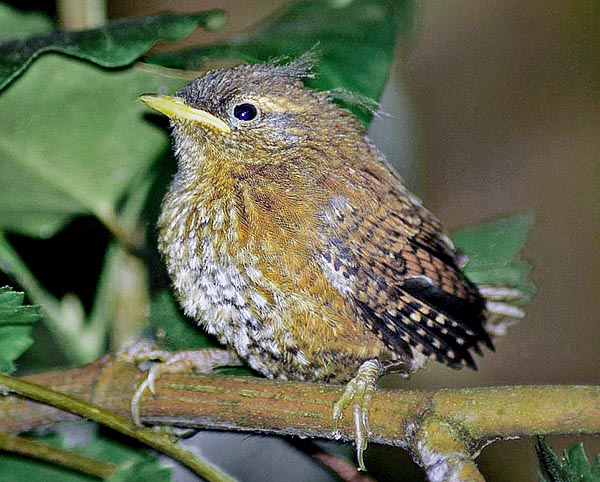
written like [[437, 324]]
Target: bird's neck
[[237, 206]]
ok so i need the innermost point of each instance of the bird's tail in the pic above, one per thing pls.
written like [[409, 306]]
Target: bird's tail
[[504, 308]]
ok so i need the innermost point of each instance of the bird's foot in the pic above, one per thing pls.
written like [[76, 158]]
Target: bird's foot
[[359, 392], [201, 361]]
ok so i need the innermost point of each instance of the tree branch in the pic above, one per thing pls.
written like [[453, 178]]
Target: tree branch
[[446, 421]]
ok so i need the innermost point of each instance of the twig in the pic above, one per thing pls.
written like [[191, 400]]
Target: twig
[[345, 470], [41, 451], [81, 14]]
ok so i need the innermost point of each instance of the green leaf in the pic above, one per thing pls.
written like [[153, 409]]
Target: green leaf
[[16, 322], [116, 44], [576, 459], [142, 471], [596, 467], [172, 328], [73, 135], [74, 139], [574, 468], [134, 464], [354, 39], [17, 24], [493, 249]]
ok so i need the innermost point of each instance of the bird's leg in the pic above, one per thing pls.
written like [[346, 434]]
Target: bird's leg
[[201, 361], [359, 391]]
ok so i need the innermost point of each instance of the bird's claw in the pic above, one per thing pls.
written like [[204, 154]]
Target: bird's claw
[[359, 392], [135, 402], [203, 361]]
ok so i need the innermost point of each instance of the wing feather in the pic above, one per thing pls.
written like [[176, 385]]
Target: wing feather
[[407, 285]]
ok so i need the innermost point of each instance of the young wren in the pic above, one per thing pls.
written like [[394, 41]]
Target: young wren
[[288, 236]]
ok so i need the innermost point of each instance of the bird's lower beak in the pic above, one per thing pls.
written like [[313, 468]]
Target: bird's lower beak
[[176, 107]]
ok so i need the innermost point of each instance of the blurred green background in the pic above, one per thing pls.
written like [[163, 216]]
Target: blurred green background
[[494, 109]]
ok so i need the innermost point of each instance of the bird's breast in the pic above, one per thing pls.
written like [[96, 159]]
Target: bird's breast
[[246, 274]]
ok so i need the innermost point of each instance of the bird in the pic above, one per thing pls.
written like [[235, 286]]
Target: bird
[[288, 236]]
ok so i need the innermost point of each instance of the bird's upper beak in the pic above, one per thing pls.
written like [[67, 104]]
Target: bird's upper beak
[[176, 107]]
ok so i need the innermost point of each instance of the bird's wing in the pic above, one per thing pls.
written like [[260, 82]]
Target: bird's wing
[[402, 273]]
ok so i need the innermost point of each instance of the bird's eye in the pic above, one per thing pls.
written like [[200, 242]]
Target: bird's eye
[[245, 112]]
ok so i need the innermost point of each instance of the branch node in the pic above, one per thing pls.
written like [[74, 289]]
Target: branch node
[[444, 451]]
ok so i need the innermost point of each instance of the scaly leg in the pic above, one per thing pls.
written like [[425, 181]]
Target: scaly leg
[[202, 361], [359, 391]]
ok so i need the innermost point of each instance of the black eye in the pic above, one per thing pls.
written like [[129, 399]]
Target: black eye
[[245, 112]]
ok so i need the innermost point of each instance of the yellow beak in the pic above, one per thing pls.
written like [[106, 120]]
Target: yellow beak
[[177, 108]]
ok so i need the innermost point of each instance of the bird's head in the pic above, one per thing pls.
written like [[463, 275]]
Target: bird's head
[[258, 115]]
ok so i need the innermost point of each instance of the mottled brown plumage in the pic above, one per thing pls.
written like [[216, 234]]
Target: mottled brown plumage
[[289, 237]]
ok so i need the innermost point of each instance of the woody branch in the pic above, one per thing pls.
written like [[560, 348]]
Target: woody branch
[[416, 420]]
